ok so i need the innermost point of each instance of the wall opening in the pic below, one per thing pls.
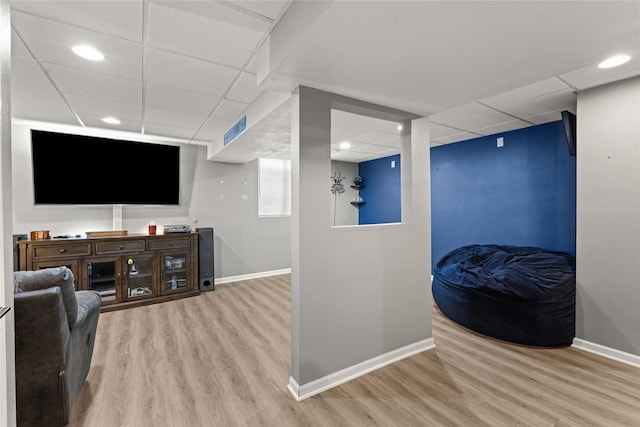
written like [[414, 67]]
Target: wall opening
[[365, 180]]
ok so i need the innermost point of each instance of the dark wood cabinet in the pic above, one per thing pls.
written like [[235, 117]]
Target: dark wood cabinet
[[128, 271]]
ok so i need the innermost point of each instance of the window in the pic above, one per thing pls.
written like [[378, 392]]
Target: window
[[274, 187]]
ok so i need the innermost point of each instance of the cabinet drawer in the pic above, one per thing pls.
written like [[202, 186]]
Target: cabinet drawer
[[178, 243], [61, 250], [119, 247]]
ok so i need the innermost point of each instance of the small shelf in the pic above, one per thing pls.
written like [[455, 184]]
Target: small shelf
[[357, 187], [357, 204]]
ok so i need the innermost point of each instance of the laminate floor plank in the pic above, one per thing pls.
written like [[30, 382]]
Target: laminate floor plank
[[223, 359]]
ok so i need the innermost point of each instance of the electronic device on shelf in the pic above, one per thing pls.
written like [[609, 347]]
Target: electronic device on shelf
[[168, 229]]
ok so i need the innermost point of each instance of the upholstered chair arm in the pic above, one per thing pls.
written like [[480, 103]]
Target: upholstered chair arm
[[83, 336], [41, 389]]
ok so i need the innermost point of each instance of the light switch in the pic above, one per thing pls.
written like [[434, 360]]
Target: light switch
[[393, 164], [500, 142]]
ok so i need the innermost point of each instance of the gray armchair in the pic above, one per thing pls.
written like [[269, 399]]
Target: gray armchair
[[55, 329]]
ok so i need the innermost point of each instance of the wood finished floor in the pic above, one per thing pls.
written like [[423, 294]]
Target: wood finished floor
[[222, 359]]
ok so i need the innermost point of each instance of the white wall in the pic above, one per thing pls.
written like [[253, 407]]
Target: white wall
[[357, 292], [342, 211], [218, 195], [608, 216], [7, 336]]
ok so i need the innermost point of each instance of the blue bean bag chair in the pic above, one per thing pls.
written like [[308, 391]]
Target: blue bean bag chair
[[525, 295]]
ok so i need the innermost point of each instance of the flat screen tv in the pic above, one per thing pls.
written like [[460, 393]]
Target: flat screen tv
[[569, 121], [85, 170]]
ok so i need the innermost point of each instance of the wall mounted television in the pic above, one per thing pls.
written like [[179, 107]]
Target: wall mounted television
[[85, 170], [569, 122]]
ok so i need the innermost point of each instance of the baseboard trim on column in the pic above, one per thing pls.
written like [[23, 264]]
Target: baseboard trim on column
[[301, 392]]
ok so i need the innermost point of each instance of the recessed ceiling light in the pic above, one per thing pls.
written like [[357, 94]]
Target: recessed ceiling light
[[345, 145], [111, 120], [88, 52], [399, 127], [614, 61]]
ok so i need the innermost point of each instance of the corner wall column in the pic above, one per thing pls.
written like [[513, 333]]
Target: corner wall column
[[360, 295]]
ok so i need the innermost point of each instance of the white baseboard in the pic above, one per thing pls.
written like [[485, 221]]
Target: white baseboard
[[608, 352], [301, 392], [241, 277]]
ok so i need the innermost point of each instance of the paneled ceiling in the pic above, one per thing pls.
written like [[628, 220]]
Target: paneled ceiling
[[176, 69], [186, 70]]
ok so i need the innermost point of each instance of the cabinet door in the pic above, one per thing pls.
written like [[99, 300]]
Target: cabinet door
[[72, 264], [175, 272], [140, 277], [105, 275]]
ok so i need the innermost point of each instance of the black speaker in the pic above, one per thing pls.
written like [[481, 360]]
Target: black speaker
[[205, 259], [16, 252]]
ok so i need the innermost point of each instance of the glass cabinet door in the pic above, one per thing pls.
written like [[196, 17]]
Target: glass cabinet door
[[102, 275], [140, 274], [175, 272]]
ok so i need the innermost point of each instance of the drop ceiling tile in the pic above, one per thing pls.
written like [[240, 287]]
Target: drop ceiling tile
[[245, 89], [524, 109], [189, 74], [173, 118], [340, 156], [27, 72], [525, 93], [473, 112], [366, 157], [219, 11], [472, 122], [358, 147], [555, 101], [447, 116], [166, 98], [378, 148], [212, 128], [377, 137], [52, 42], [271, 9], [462, 136], [201, 36], [438, 131], [98, 107], [348, 126], [503, 127], [547, 117], [81, 82], [593, 76], [125, 125], [118, 18], [29, 103], [230, 110], [171, 131], [388, 127], [18, 48]]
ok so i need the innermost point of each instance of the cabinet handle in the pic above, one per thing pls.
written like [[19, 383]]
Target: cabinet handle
[[121, 246], [63, 251]]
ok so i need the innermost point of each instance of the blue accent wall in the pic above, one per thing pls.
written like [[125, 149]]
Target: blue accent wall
[[381, 193], [522, 194]]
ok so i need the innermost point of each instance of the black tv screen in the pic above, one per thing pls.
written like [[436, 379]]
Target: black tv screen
[[569, 121], [84, 170]]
